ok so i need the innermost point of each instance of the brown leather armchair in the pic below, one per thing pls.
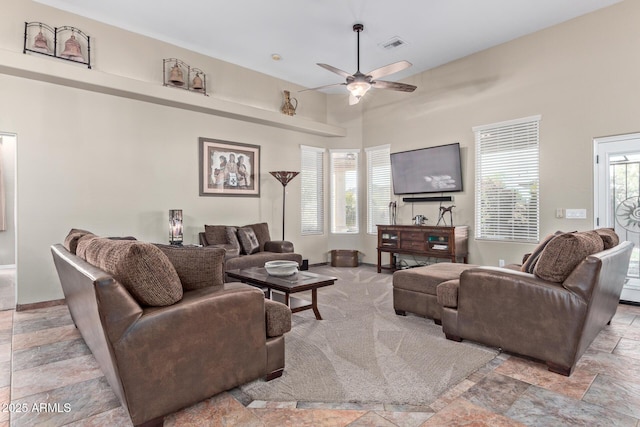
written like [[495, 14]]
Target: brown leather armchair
[[524, 314], [161, 359]]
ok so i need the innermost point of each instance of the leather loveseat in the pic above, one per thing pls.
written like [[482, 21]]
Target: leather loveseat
[[247, 246], [164, 327], [551, 308]]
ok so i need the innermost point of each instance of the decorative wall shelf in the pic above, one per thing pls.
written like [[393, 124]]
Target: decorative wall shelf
[[57, 42], [173, 75], [35, 68]]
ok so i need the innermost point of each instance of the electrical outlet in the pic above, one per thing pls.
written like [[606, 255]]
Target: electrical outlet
[[500, 263], [559, 213]]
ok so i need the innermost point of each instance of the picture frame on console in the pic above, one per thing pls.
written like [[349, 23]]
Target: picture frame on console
[[228, 168]]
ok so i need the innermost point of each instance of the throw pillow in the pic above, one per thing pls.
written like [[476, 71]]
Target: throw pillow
[[609, 237], [232, 236], [563, 254], [196, 267], [71, 241], [248, 240], [262, 233], [530, 262], [215, 234], [140, 267], [83, 243]]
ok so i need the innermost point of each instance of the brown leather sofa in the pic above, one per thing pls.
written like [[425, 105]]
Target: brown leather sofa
[[540, 312], [180, 346], [247, 246]]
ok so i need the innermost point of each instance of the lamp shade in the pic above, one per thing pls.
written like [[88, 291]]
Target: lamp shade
[[284, 176]]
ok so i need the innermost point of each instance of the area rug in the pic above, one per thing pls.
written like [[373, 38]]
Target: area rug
[[363, 352]]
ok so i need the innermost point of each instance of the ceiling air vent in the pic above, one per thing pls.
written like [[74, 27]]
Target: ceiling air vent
[[394, 43]]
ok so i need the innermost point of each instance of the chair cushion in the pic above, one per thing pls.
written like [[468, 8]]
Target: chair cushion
[[196, 267], [248, 240], [447, 293], [278, 318], [564, 252], [216, 234], [426, 279], [141, 267], [608, 236]]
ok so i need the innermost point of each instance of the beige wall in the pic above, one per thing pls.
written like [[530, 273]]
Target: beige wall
[[580, 76], [116, 165]]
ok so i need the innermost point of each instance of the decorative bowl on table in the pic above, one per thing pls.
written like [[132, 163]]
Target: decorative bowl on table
[[281, 268]]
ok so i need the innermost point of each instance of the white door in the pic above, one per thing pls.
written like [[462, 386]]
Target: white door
[[617, 198]]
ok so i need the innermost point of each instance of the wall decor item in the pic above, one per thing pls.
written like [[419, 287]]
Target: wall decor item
[[175, 227], [229, 168], [68, 43], [177, 73], [288, 108]]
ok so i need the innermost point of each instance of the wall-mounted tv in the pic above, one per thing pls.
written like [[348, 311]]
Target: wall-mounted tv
[[427, 170]]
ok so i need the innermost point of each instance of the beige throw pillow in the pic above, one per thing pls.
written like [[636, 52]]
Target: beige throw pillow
[[140, 267], [563, 254]]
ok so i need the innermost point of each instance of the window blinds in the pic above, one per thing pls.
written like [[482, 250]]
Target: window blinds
[[312, 190], [507, 181], [378, 186]]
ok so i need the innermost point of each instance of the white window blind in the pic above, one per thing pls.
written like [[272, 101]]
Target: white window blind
[[378, 186], [311, 190], [507, 181], [344, 191]]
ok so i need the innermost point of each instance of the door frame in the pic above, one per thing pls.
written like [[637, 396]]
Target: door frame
[[597, 183]]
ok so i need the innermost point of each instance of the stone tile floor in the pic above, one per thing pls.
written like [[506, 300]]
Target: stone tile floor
[[43, 360]]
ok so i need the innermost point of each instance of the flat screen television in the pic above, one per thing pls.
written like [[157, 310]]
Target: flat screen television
[[427, 170]]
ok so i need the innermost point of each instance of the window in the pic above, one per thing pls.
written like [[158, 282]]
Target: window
[[378, 186], [344, 191], [311, 190], [507, 181]]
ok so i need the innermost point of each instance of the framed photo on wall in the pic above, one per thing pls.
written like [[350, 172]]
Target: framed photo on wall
[[229, 168]]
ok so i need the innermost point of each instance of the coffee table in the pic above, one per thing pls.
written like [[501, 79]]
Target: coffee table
[[299, 282]]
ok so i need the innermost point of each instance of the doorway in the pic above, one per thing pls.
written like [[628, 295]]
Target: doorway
[[617, 198], [8, 221]]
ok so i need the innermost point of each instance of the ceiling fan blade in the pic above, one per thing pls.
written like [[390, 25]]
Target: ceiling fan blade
[[389, 69], [322, 87], [402, 87], [335, 70], [353, 100]]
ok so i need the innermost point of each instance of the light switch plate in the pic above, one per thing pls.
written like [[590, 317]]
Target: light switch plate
[[575, 213]]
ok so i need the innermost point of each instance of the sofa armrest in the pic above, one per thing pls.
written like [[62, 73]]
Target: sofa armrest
[[279, 246], [178, 355], [520, 313], [278, 318]]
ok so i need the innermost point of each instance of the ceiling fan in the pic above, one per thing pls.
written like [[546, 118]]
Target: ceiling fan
[[358, 83]]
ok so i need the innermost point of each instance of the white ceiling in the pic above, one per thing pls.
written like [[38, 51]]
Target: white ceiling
[[305, 32]]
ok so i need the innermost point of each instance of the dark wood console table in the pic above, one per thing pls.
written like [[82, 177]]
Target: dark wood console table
[[422, 240]]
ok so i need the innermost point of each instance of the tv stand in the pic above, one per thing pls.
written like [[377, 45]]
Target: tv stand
[[422, 240]]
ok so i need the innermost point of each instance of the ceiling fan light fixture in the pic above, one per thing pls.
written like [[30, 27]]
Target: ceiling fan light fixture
[[358, 89]]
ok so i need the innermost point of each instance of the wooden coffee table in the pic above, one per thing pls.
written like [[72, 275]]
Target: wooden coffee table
[[299, 282]]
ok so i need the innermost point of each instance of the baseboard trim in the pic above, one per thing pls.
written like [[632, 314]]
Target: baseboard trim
[[8, 267], [41, 304]]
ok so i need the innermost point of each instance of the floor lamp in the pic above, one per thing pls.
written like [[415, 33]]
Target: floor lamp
[[284, 177]]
